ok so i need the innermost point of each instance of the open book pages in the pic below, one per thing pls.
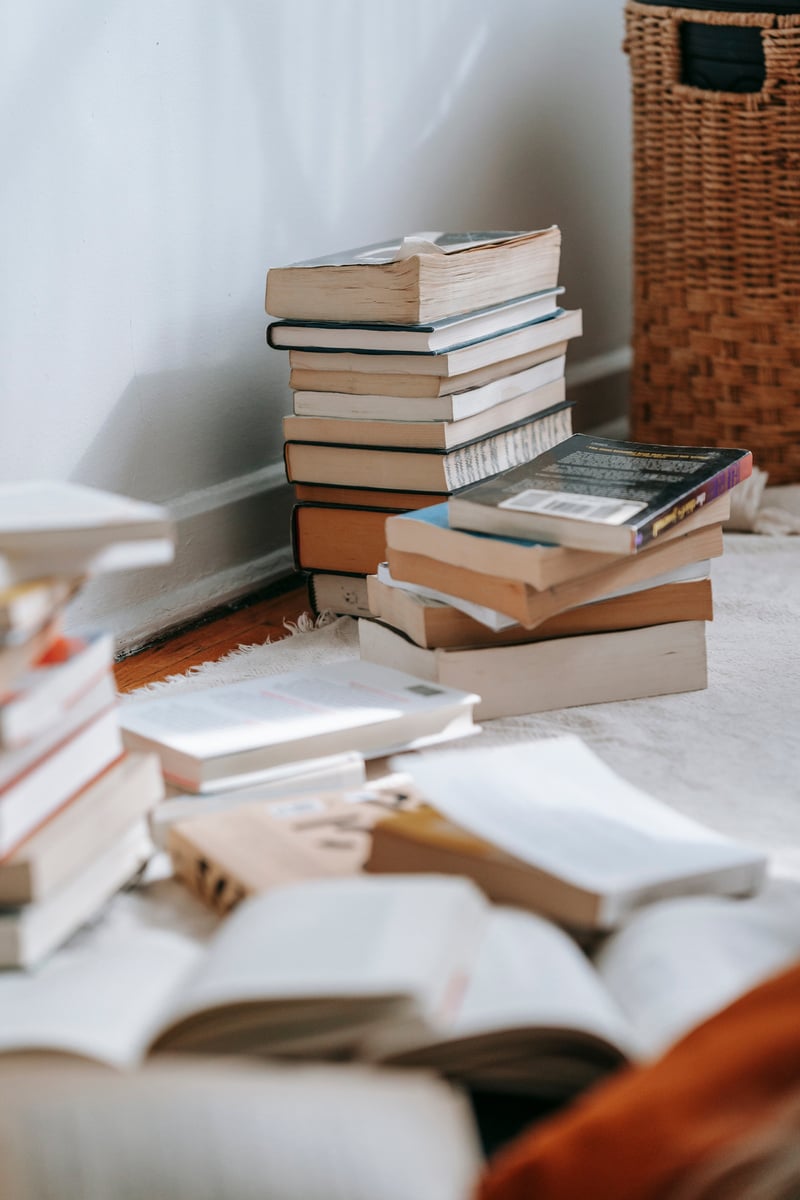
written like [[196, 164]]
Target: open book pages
[[597, 847], [203, 1131], [413, 970]]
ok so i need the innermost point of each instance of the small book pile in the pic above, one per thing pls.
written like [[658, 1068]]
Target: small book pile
[[418, 367], [580, 577], [73, 805]]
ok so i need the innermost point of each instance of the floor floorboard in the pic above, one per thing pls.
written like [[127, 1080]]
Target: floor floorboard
[[251, 623]]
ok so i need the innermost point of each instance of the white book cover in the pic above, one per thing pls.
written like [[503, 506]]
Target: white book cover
[[244, 729]]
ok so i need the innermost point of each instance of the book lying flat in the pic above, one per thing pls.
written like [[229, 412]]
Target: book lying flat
[[490, 620], [56, 777], [448, 364], [333, 772], [601, 493], [426, 434], [560, 672], [529, 606], [41, 697], [28, 933], [428, 531], [548, 825], [225, 856], [435, 623], [336, 592], [454, 407], [448, 333], [51, 527], [426, 470], [418, 385], [418, 970], [69, 841], [227, 736], [347, 540], [420, 277]]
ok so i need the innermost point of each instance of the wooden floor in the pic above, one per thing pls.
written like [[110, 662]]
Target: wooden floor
[[254, 621]]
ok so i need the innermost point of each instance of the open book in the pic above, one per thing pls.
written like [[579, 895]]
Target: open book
[[405, 970], [548, 825]]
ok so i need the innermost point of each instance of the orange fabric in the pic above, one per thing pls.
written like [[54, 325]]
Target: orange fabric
[[635, 1136]]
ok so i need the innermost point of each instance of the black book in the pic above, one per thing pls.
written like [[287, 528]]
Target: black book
[[600, 494]]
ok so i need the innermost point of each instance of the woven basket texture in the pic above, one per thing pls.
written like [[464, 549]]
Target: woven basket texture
[[716, 214]]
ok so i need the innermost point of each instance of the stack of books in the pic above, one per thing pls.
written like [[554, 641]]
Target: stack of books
[[418, 367], [578, 578], [73, 805]]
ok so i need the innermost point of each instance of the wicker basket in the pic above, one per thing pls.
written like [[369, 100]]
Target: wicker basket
[[716, 210]]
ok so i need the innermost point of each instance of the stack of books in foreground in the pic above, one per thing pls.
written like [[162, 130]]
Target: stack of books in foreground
[[418, 367], [581, 577], [73, 805]]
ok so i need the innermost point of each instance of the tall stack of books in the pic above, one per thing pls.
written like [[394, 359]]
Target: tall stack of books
[[581, 577], [418, 367], [73, 805]]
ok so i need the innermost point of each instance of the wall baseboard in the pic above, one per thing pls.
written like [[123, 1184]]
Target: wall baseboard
[[233, 538]]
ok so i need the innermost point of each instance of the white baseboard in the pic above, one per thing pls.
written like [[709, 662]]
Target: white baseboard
[[234, 538]]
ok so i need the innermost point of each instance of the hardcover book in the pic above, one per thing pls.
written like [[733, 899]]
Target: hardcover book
[[602, 494], [449, 333]]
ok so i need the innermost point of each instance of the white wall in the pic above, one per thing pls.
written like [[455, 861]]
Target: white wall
[[160, 155]]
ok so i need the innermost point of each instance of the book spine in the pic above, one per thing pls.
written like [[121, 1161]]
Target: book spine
[[711, 489]]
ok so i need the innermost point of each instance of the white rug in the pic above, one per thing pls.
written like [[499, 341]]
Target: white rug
[[729, 755]]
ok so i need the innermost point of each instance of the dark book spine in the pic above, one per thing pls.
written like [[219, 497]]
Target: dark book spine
[[704, 493]]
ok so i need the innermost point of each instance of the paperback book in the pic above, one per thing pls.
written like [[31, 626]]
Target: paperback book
[[601, 493]]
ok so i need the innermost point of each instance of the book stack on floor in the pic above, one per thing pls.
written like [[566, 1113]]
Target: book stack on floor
[[418, 367], [73, 805], [612, 606]]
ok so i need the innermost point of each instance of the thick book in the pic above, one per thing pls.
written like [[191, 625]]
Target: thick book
[[548, 825], [409, 970], [225, 856], [341, 539], [428, 531], [336, 592], [30, 932], [415, 384], [420, 277], [602, 493], [447, 364], [449, 333], [427, 434], [56, 777], [71, 839], [426, 470], [556, 673], [456, 406], [40, 697], [437, 623], [227, 736], [531, 606]]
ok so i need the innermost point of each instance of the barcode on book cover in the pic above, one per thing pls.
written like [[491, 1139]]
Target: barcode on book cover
[[569, 504]]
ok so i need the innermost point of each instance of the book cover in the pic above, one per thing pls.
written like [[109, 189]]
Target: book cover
[[602, 493]]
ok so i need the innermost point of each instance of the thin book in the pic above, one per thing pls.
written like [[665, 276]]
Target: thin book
[[449, 333]]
